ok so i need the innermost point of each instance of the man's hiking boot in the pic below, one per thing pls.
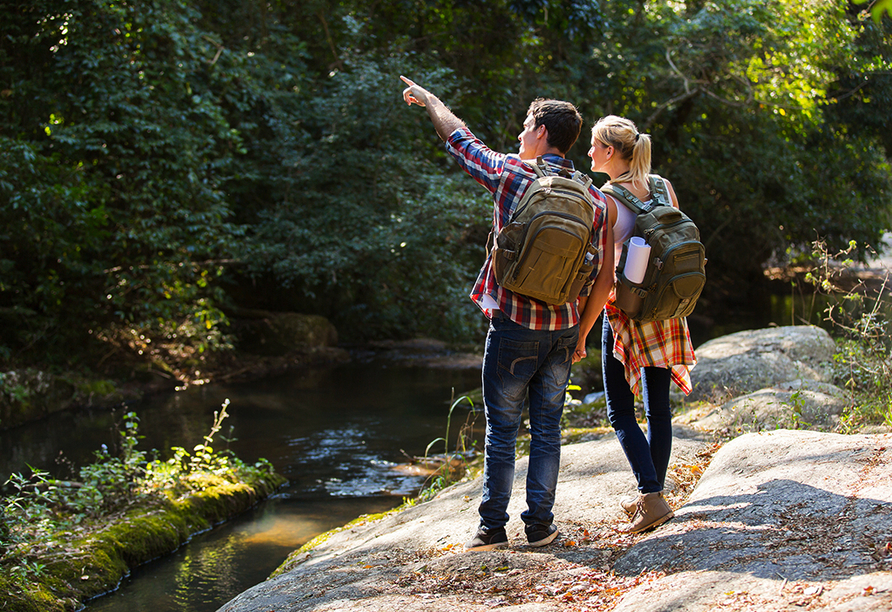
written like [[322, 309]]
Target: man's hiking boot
[[651, 511], [488, 539], [540, 535]]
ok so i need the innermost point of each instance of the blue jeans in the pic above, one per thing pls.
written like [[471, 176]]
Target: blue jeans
[[518, 360], [648, 456]]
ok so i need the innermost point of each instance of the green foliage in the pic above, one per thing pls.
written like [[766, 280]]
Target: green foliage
[[114, 154], [113, 480], [738, 100], [161, 162], [860, 315], [878, 7], [38, 508], [25, 517]]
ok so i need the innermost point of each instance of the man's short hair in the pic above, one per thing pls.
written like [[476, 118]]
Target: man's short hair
[[561, 119]]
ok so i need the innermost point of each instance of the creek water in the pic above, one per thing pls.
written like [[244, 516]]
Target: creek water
[[338, 434]]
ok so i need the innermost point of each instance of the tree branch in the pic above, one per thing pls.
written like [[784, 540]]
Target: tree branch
[[331, 45]]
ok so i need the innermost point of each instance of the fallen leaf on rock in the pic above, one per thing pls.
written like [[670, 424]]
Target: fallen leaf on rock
[[814, 590]]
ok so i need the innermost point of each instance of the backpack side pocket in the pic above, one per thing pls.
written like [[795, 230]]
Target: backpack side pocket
[[504, 252]]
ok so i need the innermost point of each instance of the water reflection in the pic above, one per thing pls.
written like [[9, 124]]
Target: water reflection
[[220, 564], [337, 434]]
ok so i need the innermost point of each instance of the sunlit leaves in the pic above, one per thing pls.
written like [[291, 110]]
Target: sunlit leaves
[[877, 8]]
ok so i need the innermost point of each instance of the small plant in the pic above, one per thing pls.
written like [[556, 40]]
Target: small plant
[[25, 518], [454, 465], [797, 405], [860, 315], [202, 460], [113, 479]]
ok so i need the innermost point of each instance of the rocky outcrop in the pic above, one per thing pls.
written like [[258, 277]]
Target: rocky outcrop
[[751, 360], [413, 560], [798, 404], [780, 520]]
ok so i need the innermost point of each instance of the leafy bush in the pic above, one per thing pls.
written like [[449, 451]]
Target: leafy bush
[[860, 315], [37, 508]]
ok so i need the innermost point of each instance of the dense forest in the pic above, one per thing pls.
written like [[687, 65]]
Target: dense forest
[[166, 162]]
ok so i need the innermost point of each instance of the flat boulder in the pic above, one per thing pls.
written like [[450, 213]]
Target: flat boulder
[[787, 520], [799, 404], [747, 361], [784, 520], [414, 559]]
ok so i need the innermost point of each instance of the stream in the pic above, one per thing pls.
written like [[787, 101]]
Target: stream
[[338, 434]]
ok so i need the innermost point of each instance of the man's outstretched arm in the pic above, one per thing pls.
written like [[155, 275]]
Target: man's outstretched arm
[[445, 122]]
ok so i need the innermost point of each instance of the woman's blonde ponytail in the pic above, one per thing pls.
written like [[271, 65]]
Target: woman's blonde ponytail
[[634, 147]]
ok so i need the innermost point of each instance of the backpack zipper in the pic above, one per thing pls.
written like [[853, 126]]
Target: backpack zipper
[[564, 192]]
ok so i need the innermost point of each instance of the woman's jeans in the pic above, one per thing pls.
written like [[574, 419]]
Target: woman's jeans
[[518, 360], [648, 456]]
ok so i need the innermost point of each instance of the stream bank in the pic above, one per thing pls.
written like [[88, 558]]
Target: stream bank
[[269, 344], [92, 558]]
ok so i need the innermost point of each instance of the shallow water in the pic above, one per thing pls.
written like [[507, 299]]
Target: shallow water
[[338, 435]]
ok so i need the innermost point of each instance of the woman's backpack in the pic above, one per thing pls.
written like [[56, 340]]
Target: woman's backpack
[[545, 251], [676, 269]]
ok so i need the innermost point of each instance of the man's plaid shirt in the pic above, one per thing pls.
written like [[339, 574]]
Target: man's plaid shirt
[[507, 178]]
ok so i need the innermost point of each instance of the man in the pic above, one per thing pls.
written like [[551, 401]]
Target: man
[[530, 344]]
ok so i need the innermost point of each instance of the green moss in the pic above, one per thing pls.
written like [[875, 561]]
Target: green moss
[[294, 558], [96, 387], [574, 435], [27, 598], [92, 560]]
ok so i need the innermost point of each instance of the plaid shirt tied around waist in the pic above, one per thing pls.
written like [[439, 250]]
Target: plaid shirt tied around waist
[[507, 178], [663, 344]]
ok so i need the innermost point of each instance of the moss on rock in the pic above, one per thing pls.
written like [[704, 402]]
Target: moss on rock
[[91, 561]]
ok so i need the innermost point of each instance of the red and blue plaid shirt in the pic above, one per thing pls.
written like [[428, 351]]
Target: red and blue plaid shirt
[[507, 177]]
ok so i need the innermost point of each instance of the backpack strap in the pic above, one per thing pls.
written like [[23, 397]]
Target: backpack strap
[[658, 190], [542, 170], [540, 167], [585, 179], [627, 198]]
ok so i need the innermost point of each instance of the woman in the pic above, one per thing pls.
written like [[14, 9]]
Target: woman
[[637, 358]]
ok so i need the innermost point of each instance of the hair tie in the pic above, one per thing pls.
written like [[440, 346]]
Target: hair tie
[[637, 136]]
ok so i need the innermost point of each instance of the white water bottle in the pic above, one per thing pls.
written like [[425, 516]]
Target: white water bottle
[[637, 257]]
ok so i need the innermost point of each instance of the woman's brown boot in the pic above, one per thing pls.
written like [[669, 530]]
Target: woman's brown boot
[[652, 511], [629, 505]]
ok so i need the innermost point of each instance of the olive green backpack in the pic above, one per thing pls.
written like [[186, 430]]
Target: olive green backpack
[[676, 270], [545, 251]]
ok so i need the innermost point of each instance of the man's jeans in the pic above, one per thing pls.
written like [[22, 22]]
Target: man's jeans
[[517, 360], [648, 456]]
